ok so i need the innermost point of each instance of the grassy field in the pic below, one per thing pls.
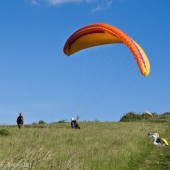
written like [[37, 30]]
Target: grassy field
[[96, 146]]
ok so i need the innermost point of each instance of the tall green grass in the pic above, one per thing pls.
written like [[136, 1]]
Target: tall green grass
[[96, 146]]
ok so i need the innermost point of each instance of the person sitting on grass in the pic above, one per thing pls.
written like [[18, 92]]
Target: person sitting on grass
[[20, 120], [157, 140]]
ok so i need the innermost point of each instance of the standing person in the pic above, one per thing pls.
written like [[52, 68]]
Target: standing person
[[20, 120]]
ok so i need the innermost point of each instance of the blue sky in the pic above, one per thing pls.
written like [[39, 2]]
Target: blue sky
[[100, 83]]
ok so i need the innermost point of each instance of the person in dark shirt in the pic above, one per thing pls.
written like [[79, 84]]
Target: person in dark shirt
[[20, 120]]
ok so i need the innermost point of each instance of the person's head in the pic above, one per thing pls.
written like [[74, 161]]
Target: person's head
[[20, 113], [155, 135], [72, 118]]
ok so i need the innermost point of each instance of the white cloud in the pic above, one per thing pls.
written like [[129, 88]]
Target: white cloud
[[34, 2], [100, 4], [57, 2], [103, 5]]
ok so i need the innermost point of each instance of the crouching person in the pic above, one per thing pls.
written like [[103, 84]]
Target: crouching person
[[74, 123]]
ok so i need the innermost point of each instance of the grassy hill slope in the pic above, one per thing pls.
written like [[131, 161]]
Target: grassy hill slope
[[96, 146]]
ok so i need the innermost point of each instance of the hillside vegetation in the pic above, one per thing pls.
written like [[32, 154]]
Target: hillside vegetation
[[96, 146], [151, 117]]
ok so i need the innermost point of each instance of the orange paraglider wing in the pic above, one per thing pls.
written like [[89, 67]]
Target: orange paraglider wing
[[100, 34]]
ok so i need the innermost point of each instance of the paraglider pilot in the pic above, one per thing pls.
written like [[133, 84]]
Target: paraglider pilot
[[74, 123]]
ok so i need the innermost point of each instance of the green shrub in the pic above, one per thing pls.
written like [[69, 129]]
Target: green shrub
[[130, 117], [61, 121], [41, 122], [4, 132]]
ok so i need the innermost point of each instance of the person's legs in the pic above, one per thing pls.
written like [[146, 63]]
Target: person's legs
[[20, 126]]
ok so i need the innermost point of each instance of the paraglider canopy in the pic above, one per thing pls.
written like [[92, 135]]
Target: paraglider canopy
[[100, 34], [149, 113]]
